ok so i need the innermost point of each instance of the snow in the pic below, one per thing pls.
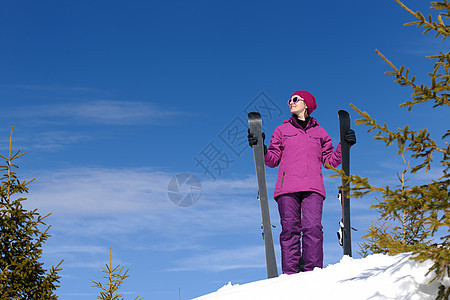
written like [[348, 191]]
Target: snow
[[377, 276]]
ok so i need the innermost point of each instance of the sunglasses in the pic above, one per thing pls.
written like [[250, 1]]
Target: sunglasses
[[295, 99]]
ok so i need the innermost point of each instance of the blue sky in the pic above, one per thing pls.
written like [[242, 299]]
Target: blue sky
[[112, 99]]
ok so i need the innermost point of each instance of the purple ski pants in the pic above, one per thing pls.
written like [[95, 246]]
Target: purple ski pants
[[301, 216]]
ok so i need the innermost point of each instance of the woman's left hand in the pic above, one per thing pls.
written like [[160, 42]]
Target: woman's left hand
[[350, 137]]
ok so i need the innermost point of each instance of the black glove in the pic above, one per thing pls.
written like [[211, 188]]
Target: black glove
[[253, 140], [350, 137]]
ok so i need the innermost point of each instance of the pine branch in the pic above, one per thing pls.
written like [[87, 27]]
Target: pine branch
[[440, 27], [440, 83], [420, 144]]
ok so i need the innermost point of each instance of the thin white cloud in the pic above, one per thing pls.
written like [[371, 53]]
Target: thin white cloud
[[97, 207], [99, 192], [428, 45], [51, 88], [51, 140], [113, 202], [116, 112], [86, 249], [223, 260], [82, 262], [109, 112]]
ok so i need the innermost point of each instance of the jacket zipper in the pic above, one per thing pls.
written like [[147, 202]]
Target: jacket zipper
[[282, 179]]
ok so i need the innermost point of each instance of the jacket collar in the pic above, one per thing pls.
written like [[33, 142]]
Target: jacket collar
[[312, 123]]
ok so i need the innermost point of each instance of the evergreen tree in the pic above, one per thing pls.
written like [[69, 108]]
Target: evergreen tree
[[22, 276], [115, 278], [415, 219]]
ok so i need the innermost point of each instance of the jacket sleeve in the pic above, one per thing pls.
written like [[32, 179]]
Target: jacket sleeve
[[273, 156], [330, 156]]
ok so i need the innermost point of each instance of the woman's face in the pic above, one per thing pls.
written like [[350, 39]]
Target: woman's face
[[297, 107]]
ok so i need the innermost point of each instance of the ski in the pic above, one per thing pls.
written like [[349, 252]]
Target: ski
[[255, 123], [345, 228]]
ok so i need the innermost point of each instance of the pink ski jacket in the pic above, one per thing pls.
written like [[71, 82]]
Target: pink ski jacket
[[299, 154]]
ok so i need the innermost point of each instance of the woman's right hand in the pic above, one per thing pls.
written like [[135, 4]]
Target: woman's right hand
[[252, 139]]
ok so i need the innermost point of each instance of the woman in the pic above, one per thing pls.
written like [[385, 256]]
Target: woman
[[299, 147]]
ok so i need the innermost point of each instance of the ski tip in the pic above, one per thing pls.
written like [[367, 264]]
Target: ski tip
[[343, 113], [254, 115]]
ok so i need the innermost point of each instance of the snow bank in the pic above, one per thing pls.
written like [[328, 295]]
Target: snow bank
[[374, 277]]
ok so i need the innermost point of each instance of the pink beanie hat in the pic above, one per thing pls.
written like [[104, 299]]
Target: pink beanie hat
[[309, 100]]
